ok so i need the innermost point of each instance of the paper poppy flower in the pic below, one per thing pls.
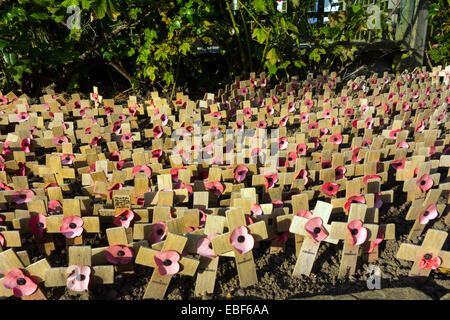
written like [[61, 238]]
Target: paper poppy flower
[[22, 196], [204, 246], [348, 112], [303, 174], [330, 189], [133, 110], [398, 164], [344, 99], [114, 156], [340, 172], [315, 229], [403, 145], [357, 231], [158, 233], [26, 145], [370, 176], [119, 254], [215, 187], [3, 100], [117, 127], [271, 180], [116, 186], [4, 187], [7, 148], [334, 121], [304, 117], [87, 131], [274, 99], [240, 173], [282, 143], [143, 169], [54, 207], [270, 110], [22, 117], [387, 108], [240, 126], [124, 218], [247, 112], [369, 123], [291, 106], [58, 141], [292, 157], [167, 262], [420, 126], [164, 119], [38, 225], [405, 106], [157, 132], [67, 159], [261, 124], [428, 214], [241, 240], [327, 113], [424, 183], [127, 137], [323, 131], [355, 155], [309, 103], [78, 278], [283, 121], [181, 185], [393, 133], [354, 199], [326, 164], [19, 282], [378, 240], [336, 138], [256, 210], [157, 154], [95, 140], [71, 227], [304, 213], [447, 100], [109, 110], [22, 169], [430, 262]]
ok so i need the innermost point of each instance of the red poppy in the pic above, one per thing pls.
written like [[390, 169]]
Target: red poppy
[[247, 112], [291, 106], [26, 144], [167, 262], [240, 173], [309, 103], [282, 143], [283, 121], [355, 155], [428, 214], [354, 199], [369, 123], [124, 218], [78, 278], [370, 176], [22, 196], [127, 137], [336, 138], [54, 207], [315, 229], [304, 117], [340, 172], [292, 157], [241, 240], [425, 183], [38, 225], [398, 164], [256, 210], [357, 231], [58, 141], [323, 131], [109, 110], [143, 169], [204, 246], [22, 117], [117, 127], [71, 227], [116, 186], [95, 140], [4, 187], [271, 180], [215, 187], [261, 124], [330, 189], [133, 110], [20, 282], [303, 174], [157, 132], [327, 113], [274, 99], [344, 99], [157, 154], [301, 149], [393, 133], [430, 262], [270, 110], [420, 126], [348, 112], [119, 254], [240, 126]]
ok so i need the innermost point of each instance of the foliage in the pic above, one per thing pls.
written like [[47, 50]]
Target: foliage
[[439, 34]]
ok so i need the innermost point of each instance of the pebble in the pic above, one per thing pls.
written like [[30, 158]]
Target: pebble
[[240, 293]]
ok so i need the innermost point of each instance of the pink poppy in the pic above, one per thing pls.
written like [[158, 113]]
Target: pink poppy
[[430, 262], [348, 112], [420, 127], [3, 100], [22, 169], [95, 140], [109, 110], [271, 180], [143, 169], [370, 176], [181, 185], [447, 100], [20, 282], [158, 233], [336, 138], [378, 240], [7, 148], [240, 126], [72, 227], [124, 218], [366, 142], [157, 132], [354, 199], [240, 173], [403, 145], [303, 174], [330, 189], [304, 117], [323, 131], [117, 127], [241, 240], [270, 110], [167, 262], [425, 183], [214, 131], [55, 207], [87, 131], [215, 187], [393, 133], [334, 121], [67, 159], [305, 214], [344, 99], [247, 112], [282, 143], [78, 278], [256, 210], [283, 121], [398, 164], [174, 173], [291, 106], [38, 225], [327, 113], [243, 91], [261, 124], [58, 141], [4, 187], [127, 137], [204, 246], [357, 231], [405, 106], [292, 157], [315, 228], [301, 149], [133, 110], [326, 164], [119, 254], [22, 196], [22, 117], [369, 123], [164, 119], [114, 156], [274, 99], [116, 186], [428, 214], [340, 172], [355, 155], [386, 108], [26, 144], [83, 112], [309, 103]]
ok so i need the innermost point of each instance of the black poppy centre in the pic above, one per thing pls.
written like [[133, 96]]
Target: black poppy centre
[[241, 239], [316, 230], [160, 232], [427, 256], [72, 225], [120, 253], [167, 262], [81, 277], [354, 232], [123, 217], [40, 225], [21, 281]]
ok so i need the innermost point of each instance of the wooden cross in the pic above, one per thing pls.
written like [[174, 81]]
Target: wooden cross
[[423, 256], [79, 256], [157, 287], [244, 262], [419, 213], [310, 246], [411, 185], [9, 260], [345, 231]]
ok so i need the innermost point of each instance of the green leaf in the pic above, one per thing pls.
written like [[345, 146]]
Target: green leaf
[[259, 34], [86, 4], [40, 16], [101, 8], [299, 63], [168, 77], [272, 56], [259, 5], [10, 58], [184, 48]]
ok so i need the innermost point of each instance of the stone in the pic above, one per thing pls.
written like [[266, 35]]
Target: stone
[[446, 297]]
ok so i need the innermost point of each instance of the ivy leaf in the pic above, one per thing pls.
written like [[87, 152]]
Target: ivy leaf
[[259, 34], [168, 77], [184, 48], [272, 56]]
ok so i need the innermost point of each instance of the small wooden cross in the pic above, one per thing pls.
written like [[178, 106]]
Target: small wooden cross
[[79, 256], [415, 186], [244, 262], [159, 282], [310, 245], [420, 212], [428, 256], [349, 231], [9, 260]]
